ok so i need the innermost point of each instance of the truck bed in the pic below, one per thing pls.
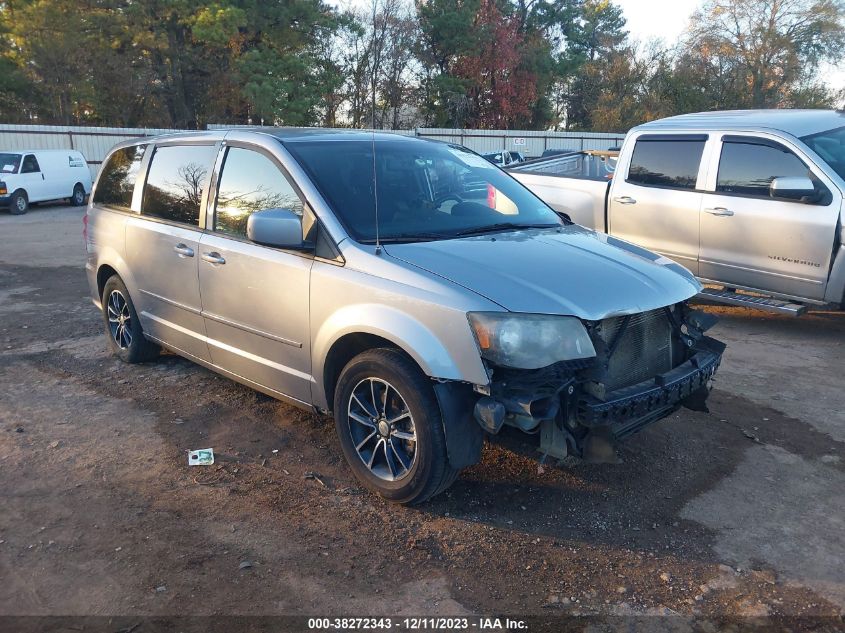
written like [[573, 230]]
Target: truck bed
[[575, 184], [588, 164]]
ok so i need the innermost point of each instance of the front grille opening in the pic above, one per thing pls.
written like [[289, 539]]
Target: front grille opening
[[644, 351]]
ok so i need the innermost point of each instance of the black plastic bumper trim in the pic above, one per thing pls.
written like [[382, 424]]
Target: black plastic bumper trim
[[631, 408]]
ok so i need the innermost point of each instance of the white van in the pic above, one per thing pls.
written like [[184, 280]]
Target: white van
[[42, 174]]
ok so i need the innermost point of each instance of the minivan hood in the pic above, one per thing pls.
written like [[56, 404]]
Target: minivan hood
[[571, 271]]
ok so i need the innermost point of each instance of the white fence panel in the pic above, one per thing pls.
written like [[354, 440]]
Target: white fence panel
[[531, 143], [95, 142]]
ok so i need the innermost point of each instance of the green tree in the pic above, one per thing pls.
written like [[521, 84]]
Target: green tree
[[280, 60], [602, 56]]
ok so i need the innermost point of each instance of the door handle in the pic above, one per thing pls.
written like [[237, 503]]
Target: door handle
[[625, 200], [183, 250], [720, 211], [213, 258]]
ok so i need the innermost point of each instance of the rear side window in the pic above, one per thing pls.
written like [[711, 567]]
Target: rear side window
[[175, 182], [118, 176], [250, 182], [30, 165], [748, 168], [666, 163]]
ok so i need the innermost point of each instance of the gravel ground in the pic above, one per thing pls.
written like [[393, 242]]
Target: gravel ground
[[739, 512]]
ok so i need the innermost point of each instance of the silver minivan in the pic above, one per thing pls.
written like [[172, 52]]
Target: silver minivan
[[409, 288]]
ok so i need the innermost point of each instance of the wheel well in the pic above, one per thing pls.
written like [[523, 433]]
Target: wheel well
[[81, 185], [345, 349], [103, 275]]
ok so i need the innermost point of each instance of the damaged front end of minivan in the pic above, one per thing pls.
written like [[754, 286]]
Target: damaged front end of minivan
[[619, 374]]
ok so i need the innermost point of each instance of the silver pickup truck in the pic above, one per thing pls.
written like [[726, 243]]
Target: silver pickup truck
[[750, 201]]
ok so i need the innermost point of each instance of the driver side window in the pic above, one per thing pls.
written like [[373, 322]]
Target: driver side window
[[250, 182], [748, 169], [30, 165]]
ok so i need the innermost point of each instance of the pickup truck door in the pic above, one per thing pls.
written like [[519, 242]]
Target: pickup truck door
[[654, 198], [750, 239]]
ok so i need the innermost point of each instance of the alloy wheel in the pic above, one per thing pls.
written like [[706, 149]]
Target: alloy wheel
[[382, 429], [120, 319]]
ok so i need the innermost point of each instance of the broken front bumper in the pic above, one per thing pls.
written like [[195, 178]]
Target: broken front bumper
[[562, 402], [627, 410]]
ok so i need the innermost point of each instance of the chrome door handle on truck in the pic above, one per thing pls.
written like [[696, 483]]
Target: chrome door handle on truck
[[625, 200], [183, 250], [213, 258], [720, 211]]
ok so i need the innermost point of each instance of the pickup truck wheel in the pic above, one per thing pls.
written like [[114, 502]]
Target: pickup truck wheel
[[19, 202], [77, 199], [390, 428], [123, 328]]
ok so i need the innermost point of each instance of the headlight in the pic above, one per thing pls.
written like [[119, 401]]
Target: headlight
[[529, 341]]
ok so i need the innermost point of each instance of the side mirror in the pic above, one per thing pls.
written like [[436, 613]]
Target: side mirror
[[798, 188], [281, 228]]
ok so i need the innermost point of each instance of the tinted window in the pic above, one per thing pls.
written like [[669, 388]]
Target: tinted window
[[117, 178], [175, 182], [30, 165], [424, 190], [250, 182], [666, 163], [830, 145], [748, 169], [9, 163]]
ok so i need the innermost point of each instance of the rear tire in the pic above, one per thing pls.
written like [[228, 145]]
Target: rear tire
[[123, 328], [77, 199], [19, 202], [390, 429]]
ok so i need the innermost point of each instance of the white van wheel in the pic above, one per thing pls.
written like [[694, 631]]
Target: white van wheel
[[78, 197], [19, 203]]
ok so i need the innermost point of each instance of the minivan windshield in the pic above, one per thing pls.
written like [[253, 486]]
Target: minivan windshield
[[425, 190], [9, 163], [830, 145]]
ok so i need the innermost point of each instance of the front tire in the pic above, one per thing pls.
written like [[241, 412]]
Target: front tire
[[77, 199], [389, 425], [19, 202], [123, 328]]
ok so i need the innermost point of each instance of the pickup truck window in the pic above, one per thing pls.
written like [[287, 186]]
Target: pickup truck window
[[830, 145], [250, 182], [117, 181], [175, 182], [748, 168], [666, 163]]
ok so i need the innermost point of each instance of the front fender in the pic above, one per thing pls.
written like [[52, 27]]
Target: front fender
[[403, 330], [835, 291]]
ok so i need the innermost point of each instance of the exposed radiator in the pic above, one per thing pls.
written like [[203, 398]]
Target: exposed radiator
[[644, 351]]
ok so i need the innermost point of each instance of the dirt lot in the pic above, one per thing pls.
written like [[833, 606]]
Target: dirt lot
[[738, 512]]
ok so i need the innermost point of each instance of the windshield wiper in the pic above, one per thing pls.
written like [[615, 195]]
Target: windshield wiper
[[411, 237], [503, 226]]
